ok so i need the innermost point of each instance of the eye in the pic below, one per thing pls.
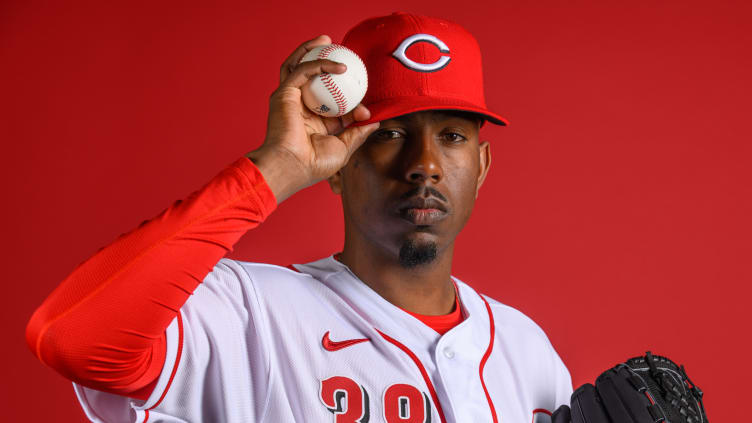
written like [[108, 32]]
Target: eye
[[454, 137], [387, 135]]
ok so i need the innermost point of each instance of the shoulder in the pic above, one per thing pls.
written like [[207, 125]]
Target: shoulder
[[511, 325], [505, 317], [527, 348], [268, 283], [228, 271], [510, 318], [254, 269], [244, 284]]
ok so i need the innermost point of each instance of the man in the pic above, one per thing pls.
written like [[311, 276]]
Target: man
[[158, 326]]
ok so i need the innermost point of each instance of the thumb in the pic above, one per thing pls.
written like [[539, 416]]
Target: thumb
[[355, 136]]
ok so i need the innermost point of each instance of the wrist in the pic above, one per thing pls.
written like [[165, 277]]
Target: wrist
[[279, 172]]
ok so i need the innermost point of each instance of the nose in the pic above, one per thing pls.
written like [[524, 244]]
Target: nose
[[423, 161]]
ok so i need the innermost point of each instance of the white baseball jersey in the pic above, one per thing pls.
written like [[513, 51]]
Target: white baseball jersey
[[264, 343]]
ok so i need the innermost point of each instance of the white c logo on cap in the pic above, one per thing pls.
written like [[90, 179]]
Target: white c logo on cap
[[422, 67]]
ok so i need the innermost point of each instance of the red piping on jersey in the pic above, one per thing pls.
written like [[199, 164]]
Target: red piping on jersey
[[422, 372], [485, 358], [540, 410], [174, 368]]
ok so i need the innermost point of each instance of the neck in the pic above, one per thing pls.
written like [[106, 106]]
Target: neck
[[423, 289]]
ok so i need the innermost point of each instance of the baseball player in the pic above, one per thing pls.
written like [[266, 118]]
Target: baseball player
[[158, 326]]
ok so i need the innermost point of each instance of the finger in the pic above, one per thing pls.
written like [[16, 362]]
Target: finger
[[307, 70], [355, 136], [562, 415], [289, 64], [621, 398], [335, 126], [586, 406], [359, 113]]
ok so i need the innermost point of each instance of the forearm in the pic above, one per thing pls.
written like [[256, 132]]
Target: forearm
[[104, 324]]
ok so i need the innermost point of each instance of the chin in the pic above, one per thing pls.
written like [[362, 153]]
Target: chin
[[416, 252]]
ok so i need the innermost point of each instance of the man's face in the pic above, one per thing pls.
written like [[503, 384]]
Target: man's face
[[410, 188]]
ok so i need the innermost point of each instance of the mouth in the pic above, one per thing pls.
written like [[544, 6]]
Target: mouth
[[422, 211]]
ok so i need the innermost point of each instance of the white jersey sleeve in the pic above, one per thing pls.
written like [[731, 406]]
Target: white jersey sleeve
[[212, 344]]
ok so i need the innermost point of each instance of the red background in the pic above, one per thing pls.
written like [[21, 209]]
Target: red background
[[616, 213]]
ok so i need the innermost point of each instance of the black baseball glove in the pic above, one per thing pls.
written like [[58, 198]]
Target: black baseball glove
[[649, 389]]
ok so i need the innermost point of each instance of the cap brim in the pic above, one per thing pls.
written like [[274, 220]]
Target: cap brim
[[393, 107]]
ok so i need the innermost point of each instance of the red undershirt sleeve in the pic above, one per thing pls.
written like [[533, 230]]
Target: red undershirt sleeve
[[104, 326]]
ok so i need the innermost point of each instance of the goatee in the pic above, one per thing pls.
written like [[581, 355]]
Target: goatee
[[413, 254]]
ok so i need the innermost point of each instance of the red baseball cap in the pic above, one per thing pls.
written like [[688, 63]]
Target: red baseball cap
[[419, 63]]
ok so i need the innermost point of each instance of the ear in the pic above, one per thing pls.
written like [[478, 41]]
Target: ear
[[335, 182], [484, 151]]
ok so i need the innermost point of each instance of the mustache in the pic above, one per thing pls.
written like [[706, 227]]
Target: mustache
[[420, 191]]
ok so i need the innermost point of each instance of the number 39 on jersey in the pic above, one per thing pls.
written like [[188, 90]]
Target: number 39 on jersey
[[349, 402]]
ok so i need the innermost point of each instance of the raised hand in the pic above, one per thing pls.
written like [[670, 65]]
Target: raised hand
[[301, 147]]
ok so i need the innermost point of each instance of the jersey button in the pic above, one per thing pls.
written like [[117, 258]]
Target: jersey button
[[448, 353]]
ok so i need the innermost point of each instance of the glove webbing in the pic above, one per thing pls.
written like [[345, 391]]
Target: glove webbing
[[671, 393]]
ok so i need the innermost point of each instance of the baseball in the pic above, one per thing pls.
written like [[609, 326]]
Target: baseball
[[330, 94]]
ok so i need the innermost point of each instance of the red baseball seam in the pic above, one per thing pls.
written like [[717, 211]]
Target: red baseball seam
[[331, 86], [337, 95]]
